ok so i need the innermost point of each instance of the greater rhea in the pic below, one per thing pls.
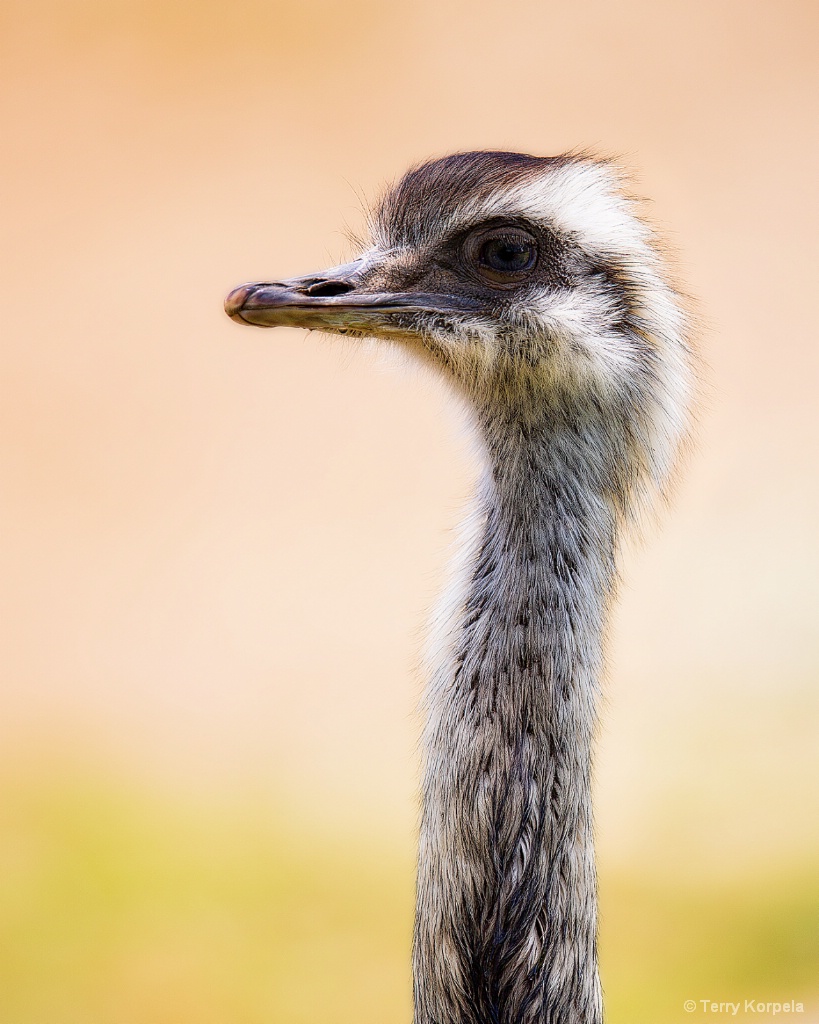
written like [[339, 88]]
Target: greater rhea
[[534, 288]]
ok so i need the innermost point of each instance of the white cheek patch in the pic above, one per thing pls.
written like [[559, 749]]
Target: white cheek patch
[[580, 322]]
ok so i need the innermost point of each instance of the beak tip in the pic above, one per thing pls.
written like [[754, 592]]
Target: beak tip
[[234, 303]]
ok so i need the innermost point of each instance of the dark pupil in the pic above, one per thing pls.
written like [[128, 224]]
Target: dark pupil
[[507, 255]]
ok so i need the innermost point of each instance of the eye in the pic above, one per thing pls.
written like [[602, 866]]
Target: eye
[[503, 256], [507, 255]]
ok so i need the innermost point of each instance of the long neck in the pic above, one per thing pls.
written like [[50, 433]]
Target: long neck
[[506, 918]]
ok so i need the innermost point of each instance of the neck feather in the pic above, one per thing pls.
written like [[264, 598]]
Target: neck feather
[[506, 920]]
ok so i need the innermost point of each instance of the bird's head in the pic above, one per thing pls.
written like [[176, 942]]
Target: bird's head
[[530, 282]]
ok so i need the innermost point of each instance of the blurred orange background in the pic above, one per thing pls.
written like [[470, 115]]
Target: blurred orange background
[[220, 545]]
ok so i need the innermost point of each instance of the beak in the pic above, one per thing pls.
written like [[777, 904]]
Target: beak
[[334, 300]]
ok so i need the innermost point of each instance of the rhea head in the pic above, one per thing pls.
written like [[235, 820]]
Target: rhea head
[[532, 284]]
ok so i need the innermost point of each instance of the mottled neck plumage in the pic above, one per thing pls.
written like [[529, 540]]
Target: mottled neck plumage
[[507, 890]]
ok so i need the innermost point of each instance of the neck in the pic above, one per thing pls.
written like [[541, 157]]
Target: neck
[[506, 920]]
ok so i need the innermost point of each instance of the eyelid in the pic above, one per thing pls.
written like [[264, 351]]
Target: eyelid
[[472, 244], [521, 240], [507, 234], [463, 236]]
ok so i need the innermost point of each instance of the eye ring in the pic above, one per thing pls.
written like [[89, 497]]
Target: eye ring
[[503, 256]]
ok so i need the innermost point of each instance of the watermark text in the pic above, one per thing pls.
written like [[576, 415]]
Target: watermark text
[[761, 1006]]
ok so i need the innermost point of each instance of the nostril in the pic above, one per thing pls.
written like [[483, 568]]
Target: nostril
[[325, 289]]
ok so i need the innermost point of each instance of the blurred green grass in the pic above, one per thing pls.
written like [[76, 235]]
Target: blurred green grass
[[118, 906]]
